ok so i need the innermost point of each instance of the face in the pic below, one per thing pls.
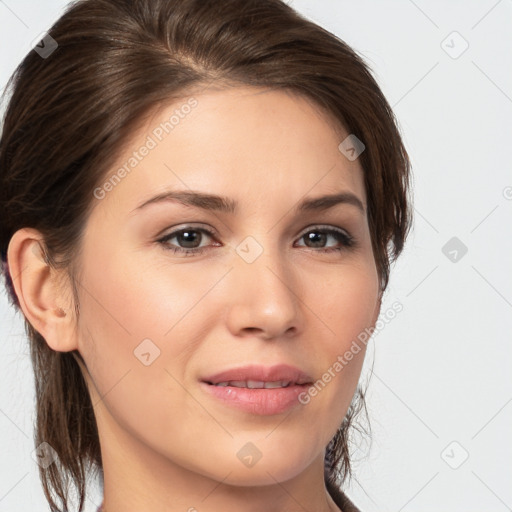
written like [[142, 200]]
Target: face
[[190, 304]]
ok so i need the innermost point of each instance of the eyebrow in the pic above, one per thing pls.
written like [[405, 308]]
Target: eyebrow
[[226, 205]]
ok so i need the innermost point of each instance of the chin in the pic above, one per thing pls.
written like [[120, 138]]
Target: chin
[[271, 467]]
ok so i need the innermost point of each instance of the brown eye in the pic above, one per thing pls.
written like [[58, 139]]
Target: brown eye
[[317, 238], [188, 240]]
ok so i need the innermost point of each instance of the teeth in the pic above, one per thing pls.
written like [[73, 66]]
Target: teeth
[[255, 384], [277, 384], [238, 383]]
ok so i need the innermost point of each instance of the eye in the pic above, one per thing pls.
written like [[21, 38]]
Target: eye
[[317, 237], [190, 239]]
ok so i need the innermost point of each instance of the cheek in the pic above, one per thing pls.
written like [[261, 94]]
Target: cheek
[[131, 318], [134, 302], [132, 314], [347, 304]]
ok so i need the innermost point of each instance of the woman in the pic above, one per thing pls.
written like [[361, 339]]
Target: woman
[[200, 202]]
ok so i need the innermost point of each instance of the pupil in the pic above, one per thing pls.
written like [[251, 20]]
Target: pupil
[[189, 237], [316, 238]]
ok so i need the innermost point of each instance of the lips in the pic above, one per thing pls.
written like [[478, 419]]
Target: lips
[[258, 389], [255, 384], [257, 377]]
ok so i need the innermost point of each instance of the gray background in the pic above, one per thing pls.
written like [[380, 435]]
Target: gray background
[[441, 392]]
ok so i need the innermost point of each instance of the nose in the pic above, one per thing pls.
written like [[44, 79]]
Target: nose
[[264, 298]]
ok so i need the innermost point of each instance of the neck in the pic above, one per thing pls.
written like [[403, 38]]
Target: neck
[[138, 478]]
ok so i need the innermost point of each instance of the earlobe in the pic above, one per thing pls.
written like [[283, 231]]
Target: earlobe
[[37, 287]]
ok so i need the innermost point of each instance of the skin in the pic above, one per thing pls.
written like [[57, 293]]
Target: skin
[[167, 445]]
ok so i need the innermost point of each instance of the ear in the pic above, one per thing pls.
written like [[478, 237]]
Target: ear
[[39, 289]]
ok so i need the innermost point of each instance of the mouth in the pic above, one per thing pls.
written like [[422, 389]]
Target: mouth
[[254, 384], [258, 389]]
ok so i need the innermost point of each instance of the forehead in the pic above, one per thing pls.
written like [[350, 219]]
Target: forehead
[[244, 142]]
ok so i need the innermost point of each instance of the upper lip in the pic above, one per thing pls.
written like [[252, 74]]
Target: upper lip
[[280, 372]]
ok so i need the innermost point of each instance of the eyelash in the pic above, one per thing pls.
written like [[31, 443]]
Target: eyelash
[[347, 241]]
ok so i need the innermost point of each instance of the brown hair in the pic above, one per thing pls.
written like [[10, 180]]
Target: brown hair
[[70, 113]]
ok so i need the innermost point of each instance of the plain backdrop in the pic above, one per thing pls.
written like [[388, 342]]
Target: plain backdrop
[[440, 397]]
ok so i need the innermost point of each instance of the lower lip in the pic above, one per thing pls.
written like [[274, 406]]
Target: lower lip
[[257, 401]]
